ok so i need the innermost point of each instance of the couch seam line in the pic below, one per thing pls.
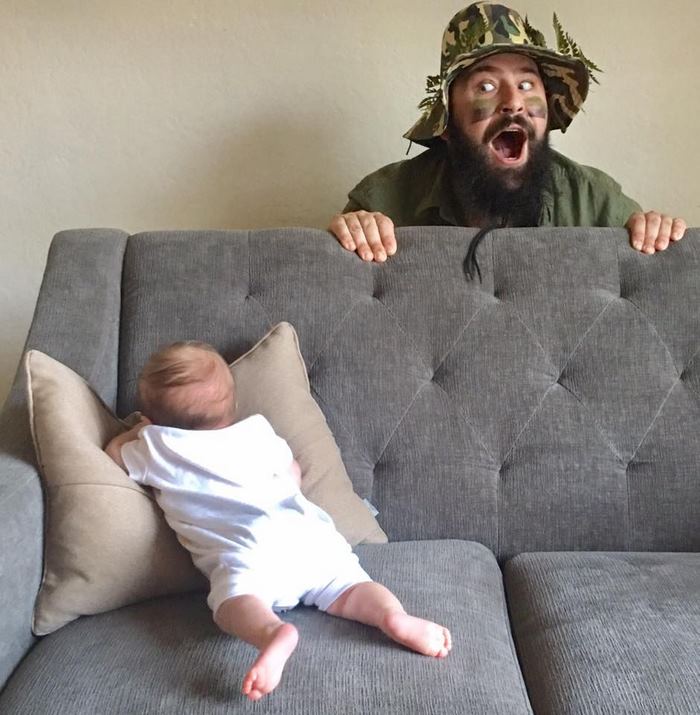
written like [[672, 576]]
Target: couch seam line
[[651, 325], [628, 539], [655, 417], [464, 329], [465, 417], [398, 424], [599, 429], [406, 335], [249, 294], [677, 381], [585, 334], [511, 641], [335, 331]]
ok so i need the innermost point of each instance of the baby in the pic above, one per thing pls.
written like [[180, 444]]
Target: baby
[[230, 490]]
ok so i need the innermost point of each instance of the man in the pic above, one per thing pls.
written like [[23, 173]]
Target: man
[[489, 163]]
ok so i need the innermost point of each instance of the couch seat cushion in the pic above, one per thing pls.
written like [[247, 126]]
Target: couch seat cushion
[[607, 632], [167, 656]]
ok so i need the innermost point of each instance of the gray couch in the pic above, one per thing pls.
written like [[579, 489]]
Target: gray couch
[[531, 441]]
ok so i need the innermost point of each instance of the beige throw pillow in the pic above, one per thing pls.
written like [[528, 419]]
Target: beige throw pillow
[[271, 380], [106, 541]]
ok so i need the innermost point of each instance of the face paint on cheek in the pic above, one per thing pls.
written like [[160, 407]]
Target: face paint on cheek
[[536, 107], [483, 109]]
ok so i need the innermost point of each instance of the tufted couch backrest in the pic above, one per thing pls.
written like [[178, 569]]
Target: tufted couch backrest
[[555, 405]]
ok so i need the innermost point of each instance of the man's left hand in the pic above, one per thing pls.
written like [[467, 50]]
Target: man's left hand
[[652, 231]]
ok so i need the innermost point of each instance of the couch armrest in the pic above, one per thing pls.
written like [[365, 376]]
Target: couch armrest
[[21, 514], [76, 321]]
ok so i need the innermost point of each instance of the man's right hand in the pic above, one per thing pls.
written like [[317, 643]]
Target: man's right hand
[[369, 233]]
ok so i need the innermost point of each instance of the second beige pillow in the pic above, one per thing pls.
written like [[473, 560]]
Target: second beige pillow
[[271, 379]]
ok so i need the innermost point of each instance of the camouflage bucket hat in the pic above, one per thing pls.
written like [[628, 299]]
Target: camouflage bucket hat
[[485, 29]]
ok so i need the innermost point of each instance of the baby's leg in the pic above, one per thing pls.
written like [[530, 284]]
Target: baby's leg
[[375, 605], [248, 618]]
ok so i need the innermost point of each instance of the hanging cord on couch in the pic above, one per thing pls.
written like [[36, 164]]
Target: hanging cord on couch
[[471, 265]]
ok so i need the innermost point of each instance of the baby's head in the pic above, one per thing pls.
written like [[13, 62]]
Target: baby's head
[[188, 385]]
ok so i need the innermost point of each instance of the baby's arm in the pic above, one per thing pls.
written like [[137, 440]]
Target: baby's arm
[[114, 448]]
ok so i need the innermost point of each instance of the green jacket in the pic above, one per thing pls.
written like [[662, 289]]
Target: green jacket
[[413, 193]]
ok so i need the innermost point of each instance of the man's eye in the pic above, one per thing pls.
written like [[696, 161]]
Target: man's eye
[[487, 86], [526, 85]]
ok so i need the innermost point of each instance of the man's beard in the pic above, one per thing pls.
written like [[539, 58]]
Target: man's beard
[[492, 196]]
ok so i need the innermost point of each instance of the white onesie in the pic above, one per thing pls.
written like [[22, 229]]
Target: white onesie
[[231, 498]]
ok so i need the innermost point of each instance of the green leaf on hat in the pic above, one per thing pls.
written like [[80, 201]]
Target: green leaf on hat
[[433, 90], [567, 46], [535, 36], [563, 38]]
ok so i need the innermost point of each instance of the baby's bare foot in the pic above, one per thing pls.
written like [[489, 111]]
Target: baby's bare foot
[[424, 637], [264, 675]]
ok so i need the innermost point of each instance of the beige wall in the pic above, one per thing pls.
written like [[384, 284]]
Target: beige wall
[[240, 113]]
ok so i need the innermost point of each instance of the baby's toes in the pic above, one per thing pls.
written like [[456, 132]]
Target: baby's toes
[[253, 686], [442, 642], [433, 641], [447, 640]]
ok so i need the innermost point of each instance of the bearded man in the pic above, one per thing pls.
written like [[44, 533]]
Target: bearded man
[[489, 163]]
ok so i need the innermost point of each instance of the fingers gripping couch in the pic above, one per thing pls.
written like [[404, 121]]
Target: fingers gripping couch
[[530, 441]]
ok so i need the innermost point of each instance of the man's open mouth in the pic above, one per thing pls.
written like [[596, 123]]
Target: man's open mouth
[[508, 145]]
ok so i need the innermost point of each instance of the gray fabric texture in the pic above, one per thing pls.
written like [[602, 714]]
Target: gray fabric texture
[[76, 320], [167, 656], [21, 514], [608, 633], [551, 402]]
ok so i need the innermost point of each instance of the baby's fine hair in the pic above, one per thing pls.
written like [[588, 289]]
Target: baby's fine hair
[[187, 385]]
